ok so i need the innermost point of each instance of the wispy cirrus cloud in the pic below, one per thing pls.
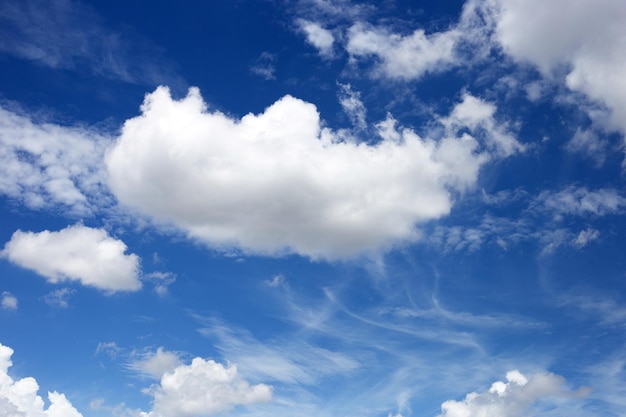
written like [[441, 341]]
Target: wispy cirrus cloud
[[69, 34]]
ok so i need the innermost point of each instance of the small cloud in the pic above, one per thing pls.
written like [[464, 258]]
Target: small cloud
[[277, 280], [108, 348], [318, 37], [264, 66], [9, 301], [161, 281], [352, 105], [59, 298]]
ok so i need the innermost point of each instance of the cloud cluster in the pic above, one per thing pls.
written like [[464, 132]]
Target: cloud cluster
[[508, 399], [279, 182], [46, 165], [76, 253], [203, 388], [18, 398]]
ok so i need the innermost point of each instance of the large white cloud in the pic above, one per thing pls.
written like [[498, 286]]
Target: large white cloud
[[509, 399], [45, 165], [203, 388], [585, 37], [278, 182], [76, 253], [18, 398]]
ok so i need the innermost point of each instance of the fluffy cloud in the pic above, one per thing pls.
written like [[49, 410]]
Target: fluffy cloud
[[402, 57], [278, 182], [203, 388], [322, 39], [9, 301], [508, 399], [19, 398], [45, 165], [587, 38], [78, 253]]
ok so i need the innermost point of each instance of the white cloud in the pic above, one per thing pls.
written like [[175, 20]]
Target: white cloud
[[46, 165], [586, 38], [203, 388], [586, 236], [155, 364], [403, 57], [18, 398], [76, 253], [278, 182], [9, 301], [509, 399], [320, 38]]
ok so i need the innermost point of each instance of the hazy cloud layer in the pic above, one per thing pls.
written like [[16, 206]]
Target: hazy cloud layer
[[76, 253], [279, 182]]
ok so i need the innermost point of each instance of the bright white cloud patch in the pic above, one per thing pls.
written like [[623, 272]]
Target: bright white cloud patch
[[586, 37], [45, 165], [322, 39], [18, 398], [508, 399], [8, 301], [278, 182], [403, 57], [76, 253], [578, 201], [203, 388]]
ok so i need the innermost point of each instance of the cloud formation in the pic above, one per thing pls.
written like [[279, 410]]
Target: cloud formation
[[279, 182], [203, 388], [76, 253], [18, 398]]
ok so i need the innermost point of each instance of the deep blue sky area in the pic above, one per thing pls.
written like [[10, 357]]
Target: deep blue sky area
[[305, 208]]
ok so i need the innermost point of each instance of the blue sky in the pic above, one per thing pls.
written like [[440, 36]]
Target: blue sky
[[312, 208]]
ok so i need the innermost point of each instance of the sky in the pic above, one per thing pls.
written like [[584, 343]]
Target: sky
[[298, 208]]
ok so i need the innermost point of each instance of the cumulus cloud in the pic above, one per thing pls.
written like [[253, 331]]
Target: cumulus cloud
[[203, 388], [512, 398], [402, 57], [18, 398], [44, 165], [279, 182], [320, 38], [76, 253], [587, 38], [9, 301]]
